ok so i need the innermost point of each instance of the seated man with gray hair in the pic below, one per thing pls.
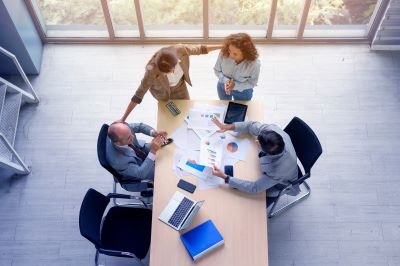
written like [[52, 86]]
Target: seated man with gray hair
[[130, 157]]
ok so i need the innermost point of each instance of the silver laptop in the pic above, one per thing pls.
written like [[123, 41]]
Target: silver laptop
[[180, 211]]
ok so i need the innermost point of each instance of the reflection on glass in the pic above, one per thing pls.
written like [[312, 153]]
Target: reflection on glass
[[172, 18], [339, 18], [232, 16], [287, 19], [73, 18], [124, 19]]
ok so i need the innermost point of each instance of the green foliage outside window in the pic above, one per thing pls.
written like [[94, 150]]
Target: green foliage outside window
[[230, 12]]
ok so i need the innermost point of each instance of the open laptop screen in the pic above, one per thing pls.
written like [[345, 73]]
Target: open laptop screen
[[192, 214]]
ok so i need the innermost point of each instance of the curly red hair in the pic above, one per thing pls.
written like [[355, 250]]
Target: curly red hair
[[243, 42]]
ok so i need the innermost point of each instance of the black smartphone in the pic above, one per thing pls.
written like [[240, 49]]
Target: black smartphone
[[229, 170], [186, 186]]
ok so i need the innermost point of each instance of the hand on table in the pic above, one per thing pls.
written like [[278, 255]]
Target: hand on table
[[218, 172], [222, 127]]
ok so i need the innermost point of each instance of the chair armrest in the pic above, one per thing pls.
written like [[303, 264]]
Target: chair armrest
[[297, 181], [133, 186], [116, 253], [124, 196], [121, 196], [301, 179]]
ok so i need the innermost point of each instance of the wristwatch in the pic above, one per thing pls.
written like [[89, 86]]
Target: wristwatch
[[227, 179]]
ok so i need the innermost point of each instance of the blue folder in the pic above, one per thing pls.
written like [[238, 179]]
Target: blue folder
[[202, 239]]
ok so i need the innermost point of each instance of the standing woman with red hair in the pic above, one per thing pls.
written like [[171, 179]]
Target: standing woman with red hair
[[237, 68]]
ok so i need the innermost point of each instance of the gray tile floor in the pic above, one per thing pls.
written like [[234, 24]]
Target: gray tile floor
[[347, 93]]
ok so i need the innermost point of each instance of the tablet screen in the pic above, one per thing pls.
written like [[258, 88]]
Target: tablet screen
[[236, 113]]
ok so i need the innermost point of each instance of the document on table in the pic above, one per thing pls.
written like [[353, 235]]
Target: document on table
[[200, 116], [237, 148], [211, 151], [203, 173], [186, 138]]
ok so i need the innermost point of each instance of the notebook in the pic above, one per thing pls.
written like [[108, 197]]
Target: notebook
[[202, 239]]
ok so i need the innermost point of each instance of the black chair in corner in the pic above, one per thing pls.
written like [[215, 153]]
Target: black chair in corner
[[124, 231], [308, 149], [144, 187]]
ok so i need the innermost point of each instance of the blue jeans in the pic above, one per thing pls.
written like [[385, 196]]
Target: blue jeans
[[245, 95]]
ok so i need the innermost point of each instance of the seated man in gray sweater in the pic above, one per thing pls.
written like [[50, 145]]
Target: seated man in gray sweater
[[278, 160], [130, 157]]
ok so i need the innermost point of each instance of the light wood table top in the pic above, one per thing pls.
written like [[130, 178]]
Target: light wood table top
[[240, 217]]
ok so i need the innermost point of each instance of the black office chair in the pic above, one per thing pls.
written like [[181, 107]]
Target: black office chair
[[308, 149], [124, 231], [143, 186]]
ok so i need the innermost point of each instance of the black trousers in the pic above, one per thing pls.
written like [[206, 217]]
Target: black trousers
[[270, 200]]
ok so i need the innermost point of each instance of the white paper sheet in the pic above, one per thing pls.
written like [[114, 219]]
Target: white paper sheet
[[186, 138], [200, 116], [204, 174], [211, 151], [237, 148]]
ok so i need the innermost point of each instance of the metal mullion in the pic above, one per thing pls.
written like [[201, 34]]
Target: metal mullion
[[107, 17], [263, 40], [303, 20], [206, 28], [271, 19], [139, 19], [36, 20], [376, 19]]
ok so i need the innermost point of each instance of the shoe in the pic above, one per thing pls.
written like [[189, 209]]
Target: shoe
[[167, 141]]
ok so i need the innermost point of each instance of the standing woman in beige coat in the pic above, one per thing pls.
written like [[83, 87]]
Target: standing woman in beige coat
[[167, 73]]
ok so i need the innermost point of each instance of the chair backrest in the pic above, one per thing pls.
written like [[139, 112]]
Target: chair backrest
[[305, 142], [91, 214], [101, 152]]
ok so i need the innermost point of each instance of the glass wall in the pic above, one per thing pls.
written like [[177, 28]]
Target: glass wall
[[72, 18], [339, 18], [288, 15], [172, 19], [231, 16], [123, 16]]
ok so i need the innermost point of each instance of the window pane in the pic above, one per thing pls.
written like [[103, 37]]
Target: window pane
[[124, 19], [339, 18], [287, 19], [172, 18], [232, 16], [73, 18]]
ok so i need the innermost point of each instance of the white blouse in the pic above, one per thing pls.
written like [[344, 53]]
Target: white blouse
[[175, 76]]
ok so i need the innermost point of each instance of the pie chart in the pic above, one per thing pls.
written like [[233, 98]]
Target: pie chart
[[232, 147]]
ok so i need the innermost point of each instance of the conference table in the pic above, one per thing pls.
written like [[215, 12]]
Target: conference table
[[240, 217]]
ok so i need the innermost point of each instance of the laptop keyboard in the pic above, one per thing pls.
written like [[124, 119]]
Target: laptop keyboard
[[180, 212]]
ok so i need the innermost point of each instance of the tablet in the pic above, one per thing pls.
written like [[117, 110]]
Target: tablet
[[236, 113]]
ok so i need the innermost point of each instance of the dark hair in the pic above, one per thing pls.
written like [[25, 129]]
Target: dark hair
[[243, 42], [271, 142], [166, 60]]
